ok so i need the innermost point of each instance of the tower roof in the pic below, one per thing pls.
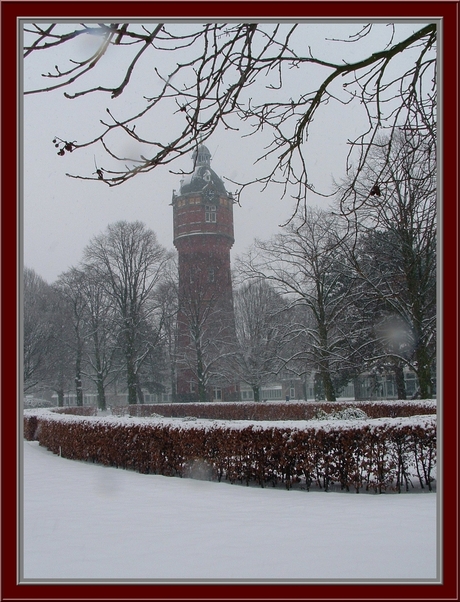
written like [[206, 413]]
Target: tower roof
[[201, 156], [203, 176]]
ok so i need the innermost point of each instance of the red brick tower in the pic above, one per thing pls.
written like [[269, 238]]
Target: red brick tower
[[203, 237]]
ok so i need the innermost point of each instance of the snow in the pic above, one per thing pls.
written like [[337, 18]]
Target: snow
[[85, 521], [332, 422]]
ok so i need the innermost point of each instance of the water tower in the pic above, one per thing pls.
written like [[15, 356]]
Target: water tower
[[203, 237]]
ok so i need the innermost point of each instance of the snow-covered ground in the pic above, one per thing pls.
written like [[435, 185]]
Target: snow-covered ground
[[84, 521]]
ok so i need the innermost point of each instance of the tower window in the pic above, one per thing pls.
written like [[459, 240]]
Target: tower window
[[210, 213]]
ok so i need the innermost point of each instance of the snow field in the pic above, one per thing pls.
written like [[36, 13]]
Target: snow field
[[84, 521]]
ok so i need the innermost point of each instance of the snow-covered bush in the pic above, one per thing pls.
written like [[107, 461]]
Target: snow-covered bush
[[345, 414]]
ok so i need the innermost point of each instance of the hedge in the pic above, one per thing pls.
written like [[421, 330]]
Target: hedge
[[374, 455], [295, 410]]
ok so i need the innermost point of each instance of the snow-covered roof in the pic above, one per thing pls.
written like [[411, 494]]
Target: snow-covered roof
[[203, 176]]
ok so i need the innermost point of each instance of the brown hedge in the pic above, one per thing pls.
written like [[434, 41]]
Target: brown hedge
[[275, 411], [380, 456]]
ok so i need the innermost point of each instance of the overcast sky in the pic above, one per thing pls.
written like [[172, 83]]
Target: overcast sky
[[61, 214]]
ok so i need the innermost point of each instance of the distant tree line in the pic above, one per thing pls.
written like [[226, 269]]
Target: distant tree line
[[338, 292]]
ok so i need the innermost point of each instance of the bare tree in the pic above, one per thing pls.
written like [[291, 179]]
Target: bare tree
[[128, 262], [305, 263], [168, 299], [260, 317], [395, 253], [211, 75], [37, 328], [60, 358], [70, 286], [101, 334]]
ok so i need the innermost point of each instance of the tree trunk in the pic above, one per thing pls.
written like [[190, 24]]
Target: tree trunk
[[324, 354], [421, 352], [140, 394], [423, 372], [131, 372], [256, 391], [79, 391], [60, 394], [101, 401], [328, 386], [399, 378], [202, 396], [131, 379], [173, 384], [202, 393], [78, 383]]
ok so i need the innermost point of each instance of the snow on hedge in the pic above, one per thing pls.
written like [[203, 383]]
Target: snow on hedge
[[345, 419]]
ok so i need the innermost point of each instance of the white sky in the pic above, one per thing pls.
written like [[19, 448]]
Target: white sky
[[84, 521], [62, 214]]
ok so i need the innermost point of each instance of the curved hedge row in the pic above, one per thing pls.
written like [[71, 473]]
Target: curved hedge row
[[293, 410], [375, 455]]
